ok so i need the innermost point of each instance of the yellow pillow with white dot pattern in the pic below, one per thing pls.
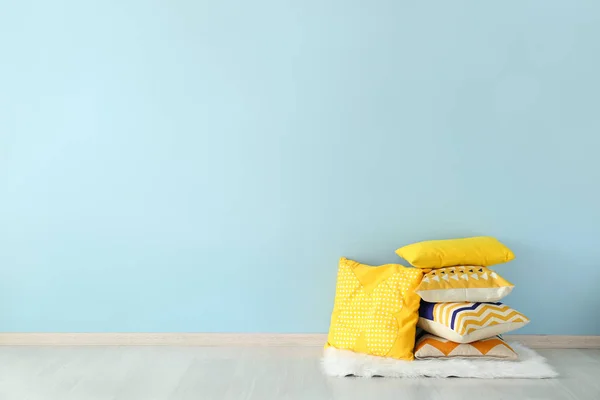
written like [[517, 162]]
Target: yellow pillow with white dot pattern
[[376, 309]]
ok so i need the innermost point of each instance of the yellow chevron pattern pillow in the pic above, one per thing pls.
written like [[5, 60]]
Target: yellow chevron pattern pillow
[[456, 284], [469, 322], [375, 310], [430, 346], [481, 250]]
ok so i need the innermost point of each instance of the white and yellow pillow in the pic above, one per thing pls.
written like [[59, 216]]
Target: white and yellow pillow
[[430, 346], [375, 310], [468, 322], [481, 250], [456, 284]]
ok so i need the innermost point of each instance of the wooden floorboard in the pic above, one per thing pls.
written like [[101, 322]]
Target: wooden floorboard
[[248, 373], [243, 339]]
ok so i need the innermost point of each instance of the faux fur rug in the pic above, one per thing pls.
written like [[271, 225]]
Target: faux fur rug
[[344, 363]]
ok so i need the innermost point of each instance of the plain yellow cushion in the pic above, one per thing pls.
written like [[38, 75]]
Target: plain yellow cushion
[[481, 250], [375, 310]]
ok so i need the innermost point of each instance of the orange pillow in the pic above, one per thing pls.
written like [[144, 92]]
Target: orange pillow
[[430, 346]]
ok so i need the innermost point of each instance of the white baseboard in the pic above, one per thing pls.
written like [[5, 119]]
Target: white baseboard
[[245, 339], [161, 339], [556, 341]]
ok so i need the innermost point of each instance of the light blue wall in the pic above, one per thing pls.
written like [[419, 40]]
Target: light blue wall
[[201, 165]]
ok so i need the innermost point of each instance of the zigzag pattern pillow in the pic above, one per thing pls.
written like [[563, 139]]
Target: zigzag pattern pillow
[[430, 346], [468, 322]]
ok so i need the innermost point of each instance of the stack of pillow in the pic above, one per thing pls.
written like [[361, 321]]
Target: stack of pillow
[[460, 310], [451, 295]]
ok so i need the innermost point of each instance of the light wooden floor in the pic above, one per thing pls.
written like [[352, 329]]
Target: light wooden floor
[[262, 373]]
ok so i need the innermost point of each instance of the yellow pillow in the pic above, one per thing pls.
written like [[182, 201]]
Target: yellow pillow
[[482, 250], [375, 310], [456, 284]]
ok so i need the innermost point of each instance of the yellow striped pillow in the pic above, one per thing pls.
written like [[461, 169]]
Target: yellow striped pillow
[[468, 322], [468, 283]]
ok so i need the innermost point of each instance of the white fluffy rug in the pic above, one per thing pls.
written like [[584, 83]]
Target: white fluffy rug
[[530, 365]]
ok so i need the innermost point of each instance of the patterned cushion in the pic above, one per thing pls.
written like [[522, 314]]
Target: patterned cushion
[[430, 346], [482, 250], [456, 284], [375, 310], [468, 322]]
